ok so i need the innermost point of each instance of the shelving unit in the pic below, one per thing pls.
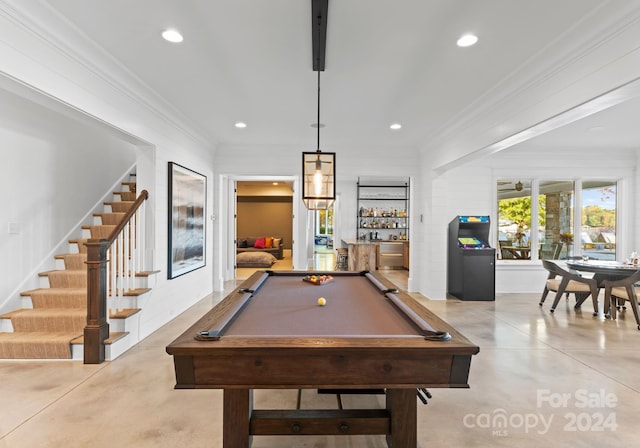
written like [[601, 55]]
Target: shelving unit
[[383, 210], [383, 219]]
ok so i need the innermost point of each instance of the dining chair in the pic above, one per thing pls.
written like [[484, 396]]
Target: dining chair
[[620, 291], [506, 254], [563, 281], [550, 251]]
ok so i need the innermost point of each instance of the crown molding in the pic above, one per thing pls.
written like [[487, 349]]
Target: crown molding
[[540, 76], [64, 39]]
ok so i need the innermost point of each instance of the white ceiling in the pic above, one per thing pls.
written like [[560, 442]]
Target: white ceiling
[[386, 61]]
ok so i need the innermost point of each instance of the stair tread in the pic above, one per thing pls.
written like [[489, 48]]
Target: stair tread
[[49, 311], [55, 271], [9, 314], [124, 313], [146, 273], [113, 337], [37, 344], [52, 290], [36, 334], [136, 292]]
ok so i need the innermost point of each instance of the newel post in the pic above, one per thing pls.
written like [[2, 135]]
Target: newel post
[[97, 329]]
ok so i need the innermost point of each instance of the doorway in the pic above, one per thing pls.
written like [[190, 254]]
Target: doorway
[[263, 226]]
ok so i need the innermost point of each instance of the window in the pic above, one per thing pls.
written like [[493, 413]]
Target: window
[[598, 232], [324, 222], [514, 219], [555, 218], [552, 235]]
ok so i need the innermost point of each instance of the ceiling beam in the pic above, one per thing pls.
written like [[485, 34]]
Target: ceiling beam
[[319, 9]]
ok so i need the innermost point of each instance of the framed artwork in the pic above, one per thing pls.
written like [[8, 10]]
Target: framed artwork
[[187, 199]]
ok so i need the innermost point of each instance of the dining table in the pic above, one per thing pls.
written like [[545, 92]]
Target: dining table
[[604, 269]]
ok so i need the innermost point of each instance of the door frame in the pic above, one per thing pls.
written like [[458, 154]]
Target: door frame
[[229, 225]]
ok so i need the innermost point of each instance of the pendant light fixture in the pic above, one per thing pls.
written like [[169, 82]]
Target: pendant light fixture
[[318, 168]]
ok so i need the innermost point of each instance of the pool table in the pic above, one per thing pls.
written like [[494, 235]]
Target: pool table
[[271, 333]]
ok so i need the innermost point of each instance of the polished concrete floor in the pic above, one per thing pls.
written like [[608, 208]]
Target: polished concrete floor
[[555, 380]]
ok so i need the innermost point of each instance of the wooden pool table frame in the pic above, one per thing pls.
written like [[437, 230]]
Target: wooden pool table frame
[[240, 364]]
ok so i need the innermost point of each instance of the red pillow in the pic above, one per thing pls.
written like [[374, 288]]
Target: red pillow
[[259, 244]]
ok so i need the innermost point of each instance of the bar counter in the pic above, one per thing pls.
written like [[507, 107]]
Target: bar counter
[[364, 255]]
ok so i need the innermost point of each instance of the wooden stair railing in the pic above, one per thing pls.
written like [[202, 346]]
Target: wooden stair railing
[[111, 271]]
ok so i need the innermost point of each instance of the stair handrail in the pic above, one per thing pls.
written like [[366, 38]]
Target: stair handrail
[[96, 330], [144, 195]]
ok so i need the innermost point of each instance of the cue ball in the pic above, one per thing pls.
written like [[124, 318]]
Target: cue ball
[[322, 301]]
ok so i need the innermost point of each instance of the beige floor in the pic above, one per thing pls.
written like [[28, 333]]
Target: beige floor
[[563, 380]]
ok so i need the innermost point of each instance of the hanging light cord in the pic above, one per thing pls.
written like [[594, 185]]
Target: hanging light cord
[[318, 123], [318, 59]]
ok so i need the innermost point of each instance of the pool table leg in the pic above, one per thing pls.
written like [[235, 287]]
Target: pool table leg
[[401, 404], [236, 414]]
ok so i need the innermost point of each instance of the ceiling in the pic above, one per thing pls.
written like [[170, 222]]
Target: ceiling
[[386, 62]]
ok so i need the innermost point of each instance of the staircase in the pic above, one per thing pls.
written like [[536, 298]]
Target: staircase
[[53, 317]]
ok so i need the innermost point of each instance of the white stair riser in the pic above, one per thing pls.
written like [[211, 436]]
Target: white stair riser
[[118, 303], [112, 351], [130, 324], [77, 352], [6, 326]]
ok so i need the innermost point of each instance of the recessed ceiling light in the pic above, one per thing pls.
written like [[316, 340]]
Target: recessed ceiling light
[[467, 40], [240, 125], [172, 36], [275, 183], [396, 126]]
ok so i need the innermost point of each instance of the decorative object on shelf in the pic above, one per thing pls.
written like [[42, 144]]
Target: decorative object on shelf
[[319, 168]]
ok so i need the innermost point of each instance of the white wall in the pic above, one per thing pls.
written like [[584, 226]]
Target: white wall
[[41, 52], [55, 169], [471, 190], [286, 162]]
